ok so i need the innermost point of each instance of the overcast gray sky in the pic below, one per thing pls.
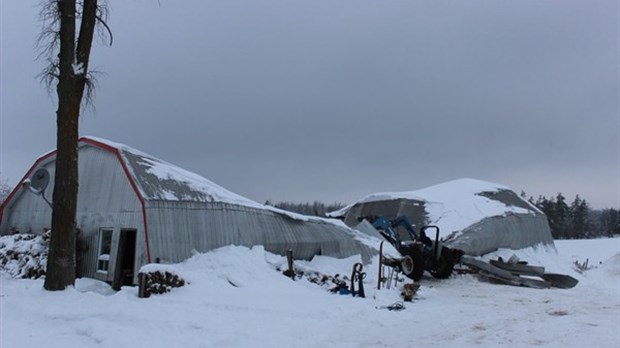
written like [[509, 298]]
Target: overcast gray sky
[[332, 100]]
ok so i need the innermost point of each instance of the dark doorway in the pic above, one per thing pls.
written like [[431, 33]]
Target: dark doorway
[[125, 260]]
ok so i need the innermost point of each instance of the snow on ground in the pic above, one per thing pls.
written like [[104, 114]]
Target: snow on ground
[[235, 298]]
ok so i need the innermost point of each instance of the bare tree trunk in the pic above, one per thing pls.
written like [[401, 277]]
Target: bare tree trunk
[[72, 78]]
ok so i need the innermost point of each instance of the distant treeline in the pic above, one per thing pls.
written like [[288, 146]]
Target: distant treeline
[[567, 221], [577, 219]]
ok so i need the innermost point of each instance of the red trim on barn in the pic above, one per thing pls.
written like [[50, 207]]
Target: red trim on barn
[[134, 186], [20, 184], [106, 147]]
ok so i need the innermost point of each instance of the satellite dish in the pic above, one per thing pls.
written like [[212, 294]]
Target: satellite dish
[[39, 181]]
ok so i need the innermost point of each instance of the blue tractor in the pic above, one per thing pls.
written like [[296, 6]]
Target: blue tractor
[[419, 252]]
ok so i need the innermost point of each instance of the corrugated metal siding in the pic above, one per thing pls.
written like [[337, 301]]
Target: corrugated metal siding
[[515, 231], [391, 209], [177, 228], [29, 213], [86, 254], [106, 200]]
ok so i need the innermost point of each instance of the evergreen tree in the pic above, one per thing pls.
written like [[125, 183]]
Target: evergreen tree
[[610, 222], [561, 214], [547, 207], [578, 220], [579, 225]]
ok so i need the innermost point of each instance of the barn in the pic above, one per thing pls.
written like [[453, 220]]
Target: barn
[[135, 209], [475, 216]]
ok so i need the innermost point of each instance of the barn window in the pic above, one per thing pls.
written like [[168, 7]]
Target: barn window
[[105, 245]]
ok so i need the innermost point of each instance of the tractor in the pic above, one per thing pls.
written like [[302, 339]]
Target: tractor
[[419, 253]]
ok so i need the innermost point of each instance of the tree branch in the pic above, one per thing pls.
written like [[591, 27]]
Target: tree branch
[[85, 38], [107, 28]]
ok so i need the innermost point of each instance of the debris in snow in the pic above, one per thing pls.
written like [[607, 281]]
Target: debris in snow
[[24, 255], [518, 273], [582, 266], [158, 279], [396, 306], [335, 284], [409, 290]]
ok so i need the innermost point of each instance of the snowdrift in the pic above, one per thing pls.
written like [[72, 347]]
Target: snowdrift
[[235, 297]]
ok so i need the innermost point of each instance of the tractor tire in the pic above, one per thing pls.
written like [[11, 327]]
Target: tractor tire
[[445, 264], [412, 264]]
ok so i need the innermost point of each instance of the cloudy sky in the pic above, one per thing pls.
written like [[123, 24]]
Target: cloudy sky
[[332, 100]]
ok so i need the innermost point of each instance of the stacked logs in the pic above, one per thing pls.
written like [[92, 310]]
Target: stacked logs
[[24, 255], [157, 282]]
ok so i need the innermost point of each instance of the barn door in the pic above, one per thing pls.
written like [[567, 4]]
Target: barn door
[[125, 259]]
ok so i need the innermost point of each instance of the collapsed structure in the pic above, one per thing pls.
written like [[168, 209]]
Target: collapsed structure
[[135, 209], [474, 216]]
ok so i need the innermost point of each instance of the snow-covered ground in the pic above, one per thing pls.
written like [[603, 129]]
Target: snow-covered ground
[[236, 298]]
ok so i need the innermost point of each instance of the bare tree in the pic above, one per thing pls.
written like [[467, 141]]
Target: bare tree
[[5, 189], [68, 54]]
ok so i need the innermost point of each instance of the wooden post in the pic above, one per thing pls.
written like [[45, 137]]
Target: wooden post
[[142, 291], [290, 272], [380, 277]]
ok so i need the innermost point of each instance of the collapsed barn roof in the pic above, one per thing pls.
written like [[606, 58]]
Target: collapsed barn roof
[[473, 215]]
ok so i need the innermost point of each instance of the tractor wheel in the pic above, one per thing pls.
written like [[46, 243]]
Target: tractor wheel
[[412, 264], [445, 264]]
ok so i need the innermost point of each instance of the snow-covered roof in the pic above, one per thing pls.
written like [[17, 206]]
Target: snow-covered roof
[[458, 204], [159, 180]]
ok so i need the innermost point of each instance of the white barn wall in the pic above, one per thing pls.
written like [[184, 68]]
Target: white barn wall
[[178, 228], [106, 200], [121, 187], [29, 213]]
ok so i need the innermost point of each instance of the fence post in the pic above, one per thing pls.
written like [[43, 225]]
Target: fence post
[[142, 291]]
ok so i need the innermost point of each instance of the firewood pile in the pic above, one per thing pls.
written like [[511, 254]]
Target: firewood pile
[[24, 255], [157, 282]]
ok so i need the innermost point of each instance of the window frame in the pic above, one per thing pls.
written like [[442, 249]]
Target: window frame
[[103, 258]]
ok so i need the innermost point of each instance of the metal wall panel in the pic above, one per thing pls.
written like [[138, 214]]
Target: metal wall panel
[[511, 232], [178, 228], [391, 209], [27, 212], [514, 231], [105, 199]]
